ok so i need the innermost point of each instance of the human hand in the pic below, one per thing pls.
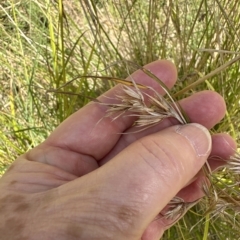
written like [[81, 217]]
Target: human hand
[[87, 181]]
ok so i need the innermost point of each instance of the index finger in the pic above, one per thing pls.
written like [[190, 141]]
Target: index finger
[[83, 133]]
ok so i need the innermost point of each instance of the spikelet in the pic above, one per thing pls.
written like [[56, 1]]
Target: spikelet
[[177, 208], [234, 163]]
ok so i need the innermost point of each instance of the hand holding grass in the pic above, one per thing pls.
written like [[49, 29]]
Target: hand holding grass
[[88, 181]]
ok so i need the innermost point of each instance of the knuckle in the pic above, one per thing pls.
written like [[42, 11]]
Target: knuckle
[[164, 158]]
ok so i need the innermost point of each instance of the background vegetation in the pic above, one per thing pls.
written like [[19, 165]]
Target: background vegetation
[[44, 44]]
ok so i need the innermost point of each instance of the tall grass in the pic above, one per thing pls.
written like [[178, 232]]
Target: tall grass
[[45, 44]]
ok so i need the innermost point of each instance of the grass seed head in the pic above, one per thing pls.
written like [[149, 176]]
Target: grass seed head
[[132, 101]]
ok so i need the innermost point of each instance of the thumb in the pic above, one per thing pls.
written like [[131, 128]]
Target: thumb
[[142, 179], [127, 193]]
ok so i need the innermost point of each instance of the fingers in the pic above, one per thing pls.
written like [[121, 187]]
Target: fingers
[[206, 108], [89, 133], [70, 162], [223, 146], [138, 183]]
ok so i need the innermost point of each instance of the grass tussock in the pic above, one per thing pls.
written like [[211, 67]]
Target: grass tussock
[[54, 45]]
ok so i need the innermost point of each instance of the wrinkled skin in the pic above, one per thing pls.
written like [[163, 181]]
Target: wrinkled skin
[[87, 181]]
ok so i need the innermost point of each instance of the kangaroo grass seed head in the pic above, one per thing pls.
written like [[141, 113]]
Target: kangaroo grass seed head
[[132, 101]]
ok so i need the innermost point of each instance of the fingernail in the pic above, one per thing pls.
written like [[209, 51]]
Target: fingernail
[[198, 136]]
